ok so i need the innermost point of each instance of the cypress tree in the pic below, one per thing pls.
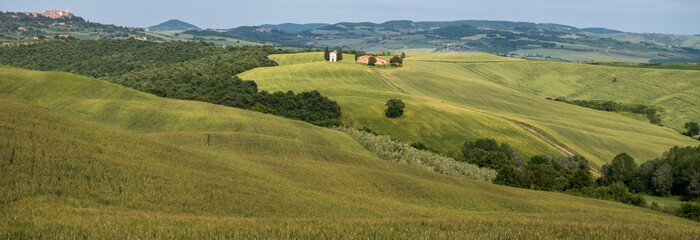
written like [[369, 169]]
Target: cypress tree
[[340, 54], [327, 54]]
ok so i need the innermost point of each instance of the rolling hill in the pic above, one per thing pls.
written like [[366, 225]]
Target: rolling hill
[[452, 98], [84, 158], [521, 39], [295, 27], [173, 25]]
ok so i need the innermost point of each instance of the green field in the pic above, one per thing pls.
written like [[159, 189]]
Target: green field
[[84, 158], [452, 98]]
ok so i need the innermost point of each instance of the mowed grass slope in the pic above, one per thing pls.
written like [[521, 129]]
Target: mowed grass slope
[[451, 98], [676, 91], [82, 158]]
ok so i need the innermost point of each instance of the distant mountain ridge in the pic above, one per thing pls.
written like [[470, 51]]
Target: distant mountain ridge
[[295, 27], [173, 24], [483, 24]]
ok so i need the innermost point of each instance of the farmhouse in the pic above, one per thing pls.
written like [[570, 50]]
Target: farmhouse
[[365, 59]]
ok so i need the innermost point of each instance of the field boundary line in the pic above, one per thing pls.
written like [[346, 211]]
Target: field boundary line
[[384, 80], [544, 138]]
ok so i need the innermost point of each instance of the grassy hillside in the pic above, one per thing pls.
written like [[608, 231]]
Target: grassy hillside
[[451, 98], [362, 95], [676, 91], [83, 158]]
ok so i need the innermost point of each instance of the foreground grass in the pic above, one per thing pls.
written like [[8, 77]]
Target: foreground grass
[[451, 98], [82, 158]]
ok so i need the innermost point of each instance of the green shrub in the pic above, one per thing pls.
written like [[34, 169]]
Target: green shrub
[[258, 107], [690, 211], [157, 92], [392, 150], [615, 192], [509, 176]]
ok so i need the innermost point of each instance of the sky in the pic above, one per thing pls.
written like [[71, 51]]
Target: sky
[[649, 16]]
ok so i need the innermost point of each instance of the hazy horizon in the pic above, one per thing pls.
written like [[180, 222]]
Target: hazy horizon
[[642, 16]]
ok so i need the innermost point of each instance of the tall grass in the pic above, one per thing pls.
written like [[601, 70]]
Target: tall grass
[[389, 149]]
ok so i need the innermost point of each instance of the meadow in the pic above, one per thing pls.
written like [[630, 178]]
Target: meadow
[[84, 158], [452, 98]]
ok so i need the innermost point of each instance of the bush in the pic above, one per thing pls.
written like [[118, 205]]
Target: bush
[[396, 61], [544, 177], [509, 176], [394, 108], [690, 211], [263, 109], [392, 150], [580, 179], [157, 92], [615, 192]]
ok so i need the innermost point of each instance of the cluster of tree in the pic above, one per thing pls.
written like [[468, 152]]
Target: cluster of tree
[[570, 174], [189, 70], [693, 129], [394, 108], [676, 173], [396, 61], [651, 112], [306, 106]]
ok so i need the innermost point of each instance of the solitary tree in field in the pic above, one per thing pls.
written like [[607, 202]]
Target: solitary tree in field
[[340, 54], [403, 55], [372, 61], [327, 54], [394, 108]]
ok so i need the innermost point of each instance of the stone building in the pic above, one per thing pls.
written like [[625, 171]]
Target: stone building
[[365, 59]]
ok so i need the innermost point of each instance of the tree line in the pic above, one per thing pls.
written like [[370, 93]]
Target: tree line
[[677, 172], [188, 70], [652, 113]]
